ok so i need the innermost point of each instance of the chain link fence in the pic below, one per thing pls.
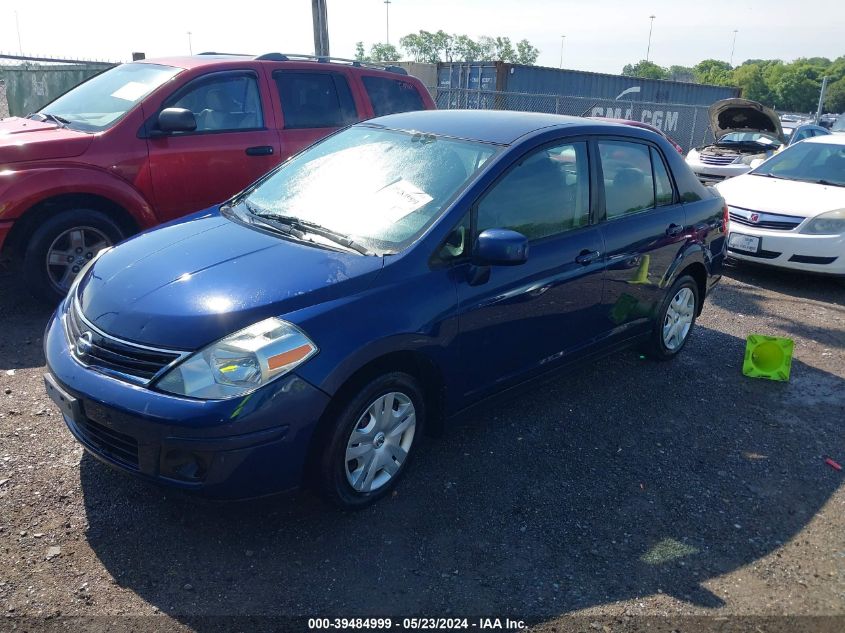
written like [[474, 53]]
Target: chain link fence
[[686, 124]]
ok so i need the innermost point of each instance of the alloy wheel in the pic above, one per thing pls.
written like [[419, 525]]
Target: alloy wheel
[[678, 320], [70, 251]]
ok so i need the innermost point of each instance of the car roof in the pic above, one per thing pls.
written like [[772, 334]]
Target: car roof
[[830, 139], [490, 126], [224, 60]]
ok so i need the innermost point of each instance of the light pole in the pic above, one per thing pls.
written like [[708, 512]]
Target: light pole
[[562, 40], [18, 27], [650, 28], [387, 19], [733, 46], [190, 46]]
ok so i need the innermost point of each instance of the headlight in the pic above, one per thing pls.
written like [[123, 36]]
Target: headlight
[[747, 159], [241, 362], [830, 223]]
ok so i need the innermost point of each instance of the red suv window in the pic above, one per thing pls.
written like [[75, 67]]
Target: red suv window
[[312, 100], [392, 95]]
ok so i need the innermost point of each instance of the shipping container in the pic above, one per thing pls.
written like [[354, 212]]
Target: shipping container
[[538, 80]]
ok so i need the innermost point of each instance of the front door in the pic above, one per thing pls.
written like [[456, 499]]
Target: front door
[[233, 145], [644, 231], [519, 320]]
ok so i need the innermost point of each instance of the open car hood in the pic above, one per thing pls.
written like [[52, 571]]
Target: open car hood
[[742, 115]]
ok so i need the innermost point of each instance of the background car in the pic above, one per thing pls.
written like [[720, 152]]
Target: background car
[[645, 126], [790, 211], [147, 142], [310, 329], [838, 126], [745, 131]]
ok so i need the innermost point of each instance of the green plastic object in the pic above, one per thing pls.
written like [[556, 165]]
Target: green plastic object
[[768, 357]]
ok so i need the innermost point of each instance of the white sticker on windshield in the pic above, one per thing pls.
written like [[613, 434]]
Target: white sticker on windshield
[[131, 91], [398, 199]]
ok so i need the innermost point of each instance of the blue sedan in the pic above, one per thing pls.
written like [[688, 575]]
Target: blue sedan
[[310, 329]]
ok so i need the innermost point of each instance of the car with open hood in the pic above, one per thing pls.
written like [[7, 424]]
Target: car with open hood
[[745, 131], [309, 329]]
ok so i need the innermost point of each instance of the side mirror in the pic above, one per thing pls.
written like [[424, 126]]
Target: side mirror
[[757, 162], [176, 120], [500, 247]]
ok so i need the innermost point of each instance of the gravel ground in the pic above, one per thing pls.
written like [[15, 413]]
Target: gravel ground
[[628, 489]]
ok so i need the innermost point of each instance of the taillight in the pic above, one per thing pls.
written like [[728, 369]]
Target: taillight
[[725, 218]]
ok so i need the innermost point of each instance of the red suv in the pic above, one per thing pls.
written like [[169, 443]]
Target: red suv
[[147, 142]]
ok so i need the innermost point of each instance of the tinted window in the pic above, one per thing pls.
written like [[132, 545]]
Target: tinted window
[[628, 184], [392, 95], [315, 100], [546, 193], [662, 182], [223, 102]]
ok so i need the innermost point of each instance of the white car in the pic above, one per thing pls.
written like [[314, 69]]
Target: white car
[[745, 131], [790, 211]]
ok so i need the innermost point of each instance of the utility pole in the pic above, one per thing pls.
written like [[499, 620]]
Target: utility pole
[[562, 40], [733, 46], [387, 16], [321, 28], [18, 27], [650, 28], [190, 45], [821, 100]]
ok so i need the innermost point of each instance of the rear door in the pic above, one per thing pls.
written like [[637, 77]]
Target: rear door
[[643, 228], [519, 320], [234, 143], [313, 104]]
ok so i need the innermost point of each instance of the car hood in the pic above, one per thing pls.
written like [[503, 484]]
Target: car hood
[[743, 115], [788, 197], [27, 139], [187, 284]]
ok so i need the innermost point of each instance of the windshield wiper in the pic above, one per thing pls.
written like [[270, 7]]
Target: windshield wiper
[[45, 116], [768, 175], [301, 227], [823, 181]]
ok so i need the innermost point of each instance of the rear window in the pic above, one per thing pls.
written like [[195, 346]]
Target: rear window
[[315, 100], [389, 96]]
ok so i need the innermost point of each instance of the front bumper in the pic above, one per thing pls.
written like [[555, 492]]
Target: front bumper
[[788, 249], [245, 447]]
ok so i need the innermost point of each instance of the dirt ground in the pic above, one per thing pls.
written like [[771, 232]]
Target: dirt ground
[[627, 496]]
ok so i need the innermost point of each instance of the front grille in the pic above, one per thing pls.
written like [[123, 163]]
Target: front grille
[[113, 444], [773, 221], [716, 159], [91, 347]]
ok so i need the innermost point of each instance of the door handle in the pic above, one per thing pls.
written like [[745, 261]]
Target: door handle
[[586, 257], [674, 230], [260, 150]]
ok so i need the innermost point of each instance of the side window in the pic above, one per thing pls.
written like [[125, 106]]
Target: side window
[[545, 194], [457, 243], [311, 100], [628, 183], [662, 183], [391, 95], [221, 103]]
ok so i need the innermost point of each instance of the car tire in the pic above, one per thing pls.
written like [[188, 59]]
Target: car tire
[[355, 482], [675, 319], [59, 235]]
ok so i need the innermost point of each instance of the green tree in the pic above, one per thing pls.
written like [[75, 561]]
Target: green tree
[[646, 70], [382, 52], [526, 53], [682, 73], [750, 79], [713, 71], [360, 54], [795, 89], [834, 100], [466, 49]]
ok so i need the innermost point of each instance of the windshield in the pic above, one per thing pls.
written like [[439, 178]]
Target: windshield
[[811, 162], [379, 187], [101, 101], [749, 137]]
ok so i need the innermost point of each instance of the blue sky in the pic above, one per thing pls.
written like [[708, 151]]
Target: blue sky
[[601, 35]]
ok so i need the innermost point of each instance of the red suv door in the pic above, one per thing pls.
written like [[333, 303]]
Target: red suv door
[[235, 142], [314, 103]]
